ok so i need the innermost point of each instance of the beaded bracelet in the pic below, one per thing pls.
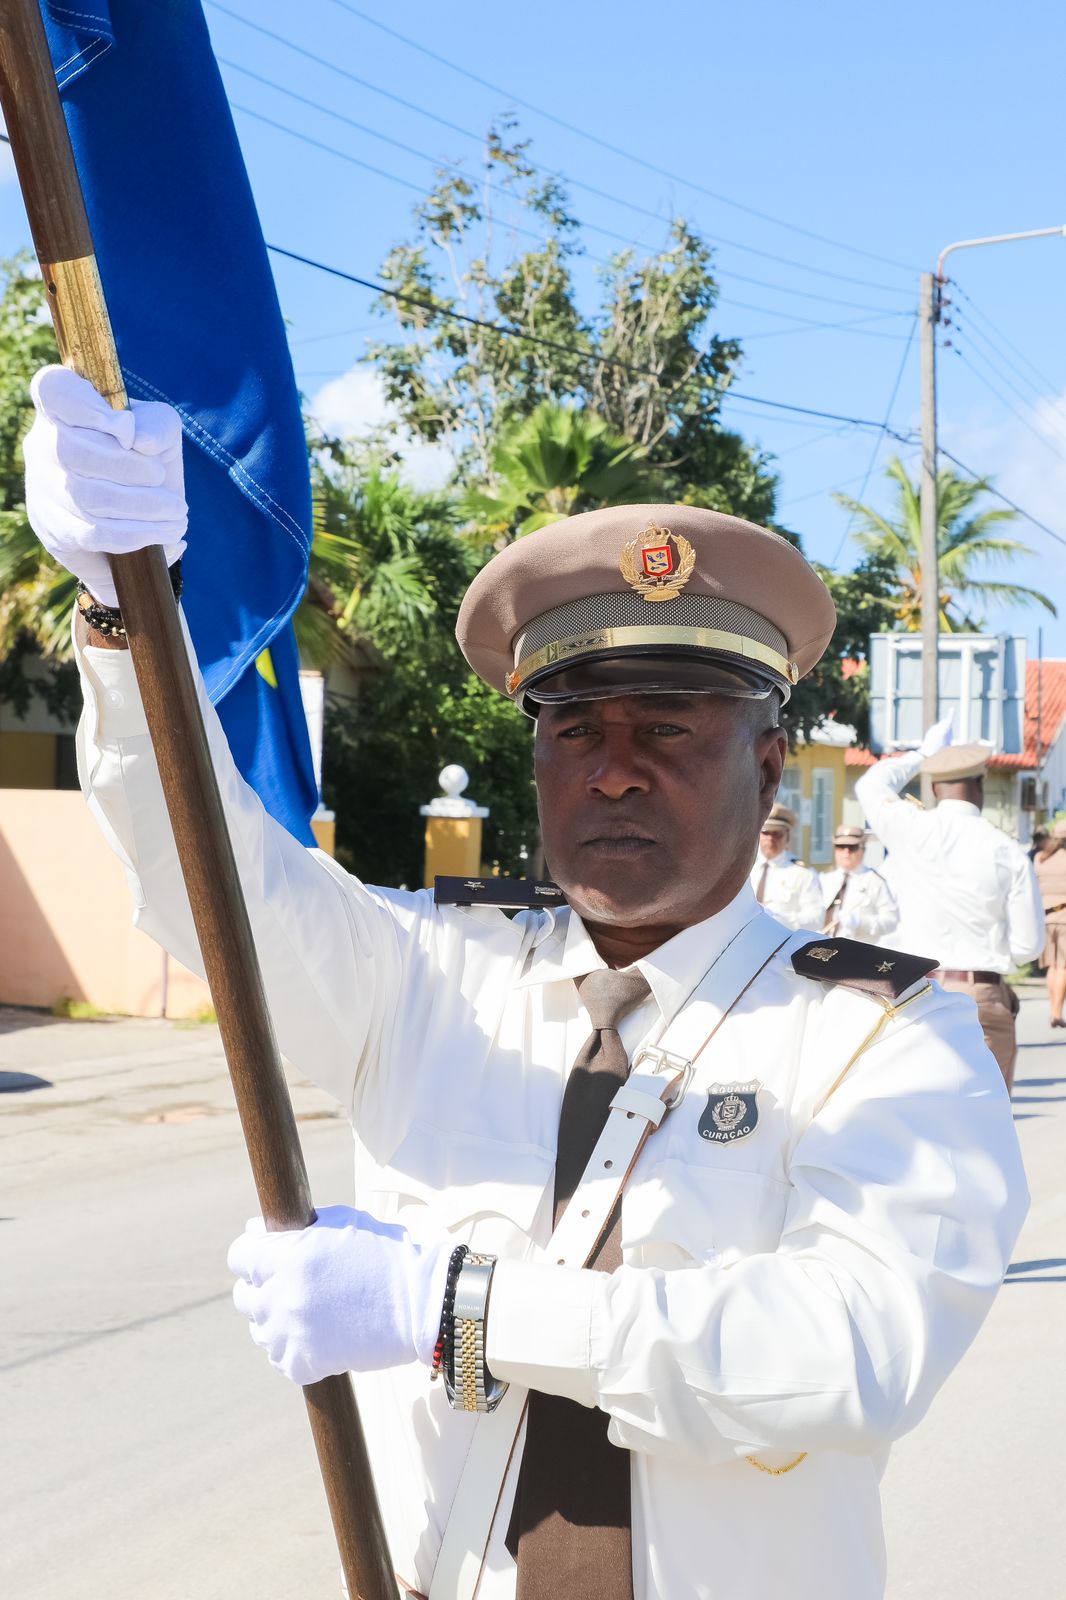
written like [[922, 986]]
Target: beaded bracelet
[[445, 1332], [108, 619]]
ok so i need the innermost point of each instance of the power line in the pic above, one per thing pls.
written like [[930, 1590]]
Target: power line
[[984, 317], [1022, 418], [409, 105], [434, 310], [968, 329], [455, 168], [1007, 501], [626, 155], [878, 442], [853, 325], [807, 323]]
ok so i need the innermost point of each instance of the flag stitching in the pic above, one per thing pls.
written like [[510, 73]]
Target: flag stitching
[[81, 16], [211, 446], [97, 48], [214, 447]]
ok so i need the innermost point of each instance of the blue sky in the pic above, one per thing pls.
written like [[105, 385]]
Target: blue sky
[[892, 130]]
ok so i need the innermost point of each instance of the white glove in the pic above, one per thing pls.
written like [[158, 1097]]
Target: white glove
[[848, 919], [347, 1294], [101, 482], [938, 736]]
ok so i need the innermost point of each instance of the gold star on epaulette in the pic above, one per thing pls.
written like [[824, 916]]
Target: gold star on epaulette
[[851, 964]]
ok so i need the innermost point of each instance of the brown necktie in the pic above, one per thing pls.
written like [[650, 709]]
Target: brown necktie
[[570, 1530], [832, 910], [760, 892]]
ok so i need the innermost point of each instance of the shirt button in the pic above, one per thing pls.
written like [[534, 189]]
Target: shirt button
[[115, 697]]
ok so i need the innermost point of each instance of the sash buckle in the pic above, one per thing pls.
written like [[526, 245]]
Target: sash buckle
[[664, 1063]]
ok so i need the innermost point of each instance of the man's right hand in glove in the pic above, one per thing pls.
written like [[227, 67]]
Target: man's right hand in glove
[[938, 736], [101, 482]]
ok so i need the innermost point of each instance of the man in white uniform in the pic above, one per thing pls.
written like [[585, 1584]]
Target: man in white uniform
[[858, 901], [786, 886], [967, 894], [808, 1242]]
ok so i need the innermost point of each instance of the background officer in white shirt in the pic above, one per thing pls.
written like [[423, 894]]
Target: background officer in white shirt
[[967, 893], [786, 886], [858, 901], [805, 1246]]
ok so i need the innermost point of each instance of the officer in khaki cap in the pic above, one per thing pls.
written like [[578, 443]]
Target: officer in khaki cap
[[858, 901], [786, 886], [613, 1153], [967, 893]]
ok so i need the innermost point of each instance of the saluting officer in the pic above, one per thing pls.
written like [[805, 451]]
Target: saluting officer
[[691, 1392], [786, 886], [858, 901], [967, 893]]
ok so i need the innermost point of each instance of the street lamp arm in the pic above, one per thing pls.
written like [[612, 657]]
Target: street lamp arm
[[995, 238]]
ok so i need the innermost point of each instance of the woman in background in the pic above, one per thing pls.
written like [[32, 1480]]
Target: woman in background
[[1050, 864]]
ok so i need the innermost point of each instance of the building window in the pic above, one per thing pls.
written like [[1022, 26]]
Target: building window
[[822, 814]]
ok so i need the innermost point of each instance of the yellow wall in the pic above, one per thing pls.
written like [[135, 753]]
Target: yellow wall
[[804, 761], [453, 848], [27, 760]]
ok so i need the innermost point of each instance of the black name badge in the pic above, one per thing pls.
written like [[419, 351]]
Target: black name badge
[[732, 1112]]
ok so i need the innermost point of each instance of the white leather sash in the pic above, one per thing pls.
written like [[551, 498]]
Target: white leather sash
[[657, 1082]]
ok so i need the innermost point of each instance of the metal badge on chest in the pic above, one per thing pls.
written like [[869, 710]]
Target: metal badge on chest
[[732, 1112]]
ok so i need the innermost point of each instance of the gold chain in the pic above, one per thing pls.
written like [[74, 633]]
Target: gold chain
[[776, 1472]]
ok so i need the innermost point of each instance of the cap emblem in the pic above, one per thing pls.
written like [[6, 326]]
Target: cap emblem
[[657, 563]]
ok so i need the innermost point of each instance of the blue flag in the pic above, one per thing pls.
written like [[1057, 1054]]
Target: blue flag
[[197, 323]]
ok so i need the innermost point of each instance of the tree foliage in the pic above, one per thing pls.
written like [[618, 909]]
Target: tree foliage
[[36, 596], [966, 546], [552, 464], [644, 361]]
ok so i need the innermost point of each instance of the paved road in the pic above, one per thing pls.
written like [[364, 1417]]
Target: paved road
[[147, 1454]]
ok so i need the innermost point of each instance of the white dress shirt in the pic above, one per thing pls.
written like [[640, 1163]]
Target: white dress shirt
[[791, 891], [866, 909], [805, 1288], [967, 894]]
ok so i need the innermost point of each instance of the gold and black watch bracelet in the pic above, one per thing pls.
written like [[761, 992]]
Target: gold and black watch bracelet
[[468, 1382], [108, 619]]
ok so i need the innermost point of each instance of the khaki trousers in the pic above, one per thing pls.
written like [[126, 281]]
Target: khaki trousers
[[997, 1007]]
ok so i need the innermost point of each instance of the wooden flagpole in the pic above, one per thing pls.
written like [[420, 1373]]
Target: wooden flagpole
[[44, 161]]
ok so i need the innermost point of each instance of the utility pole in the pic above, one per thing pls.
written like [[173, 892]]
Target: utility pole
[[932, 284], [928, 314]]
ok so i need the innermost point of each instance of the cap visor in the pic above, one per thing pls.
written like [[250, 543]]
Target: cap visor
[[617, 675]]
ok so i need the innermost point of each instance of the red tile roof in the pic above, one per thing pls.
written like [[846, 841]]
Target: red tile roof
[[1045, 683]]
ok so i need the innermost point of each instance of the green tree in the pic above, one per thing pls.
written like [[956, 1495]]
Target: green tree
[[839, 686], [645, 360], [551, 464], [36, 596], [966, 545]]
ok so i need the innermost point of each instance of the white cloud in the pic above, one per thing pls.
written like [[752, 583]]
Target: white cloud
[[1022, 466], [1026, 463], [354, 406]]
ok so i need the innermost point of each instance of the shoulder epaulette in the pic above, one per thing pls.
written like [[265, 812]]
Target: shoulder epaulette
[[856, 965], [506, 894], [912, 800], [796, 862]]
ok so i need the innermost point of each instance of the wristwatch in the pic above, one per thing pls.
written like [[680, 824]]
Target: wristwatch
[[467, 1381]]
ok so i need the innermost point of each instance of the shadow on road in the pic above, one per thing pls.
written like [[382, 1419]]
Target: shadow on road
[[1025, 1271], [22, 1082]]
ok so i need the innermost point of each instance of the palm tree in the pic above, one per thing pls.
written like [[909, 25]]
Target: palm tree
[[551, 464], [387, 565], [965, 544]]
